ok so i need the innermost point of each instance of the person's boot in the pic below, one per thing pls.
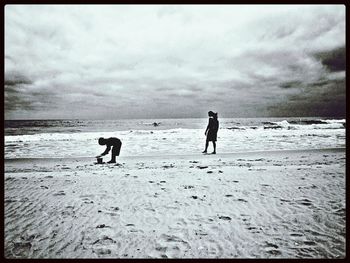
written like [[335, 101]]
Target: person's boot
[[112, 161]]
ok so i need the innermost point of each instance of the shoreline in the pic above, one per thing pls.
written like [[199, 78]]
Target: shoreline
[[32, 164], [249, 152]]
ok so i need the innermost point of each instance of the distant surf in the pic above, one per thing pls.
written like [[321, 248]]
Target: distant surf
[[74, 138]]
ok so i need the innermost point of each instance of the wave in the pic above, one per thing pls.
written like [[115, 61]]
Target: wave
[[149, 142], [78, 135], [312, 124], [88, 136], [316, 121], [295, 125]]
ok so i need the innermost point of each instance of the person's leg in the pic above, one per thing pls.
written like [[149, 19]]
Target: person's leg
[[113, 155], [206, 146], [214, 145], [115, 152]]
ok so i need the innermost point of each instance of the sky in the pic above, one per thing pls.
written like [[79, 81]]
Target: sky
[[174, 61]]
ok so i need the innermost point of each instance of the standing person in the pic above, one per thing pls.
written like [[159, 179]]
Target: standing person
[[115, 142], [212, 131]]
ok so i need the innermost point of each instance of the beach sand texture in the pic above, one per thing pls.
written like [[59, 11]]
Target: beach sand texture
[[283, 204]]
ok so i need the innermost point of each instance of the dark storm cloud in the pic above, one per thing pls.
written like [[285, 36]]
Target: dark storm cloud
[[14, 100], [322, 97], [15, 79], [319, 99], [13, 91], [334, 60]]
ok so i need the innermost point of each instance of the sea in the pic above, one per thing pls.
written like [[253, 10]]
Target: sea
[[158, 137]]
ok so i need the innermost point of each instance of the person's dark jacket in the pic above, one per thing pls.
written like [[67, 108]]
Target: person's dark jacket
[[111, 142], [212, 129]]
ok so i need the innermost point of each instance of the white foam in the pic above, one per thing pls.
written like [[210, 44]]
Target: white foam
[[175, 141], [283, 123]]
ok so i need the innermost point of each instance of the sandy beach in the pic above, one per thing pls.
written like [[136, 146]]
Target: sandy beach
[[281, 204], [157, 87]]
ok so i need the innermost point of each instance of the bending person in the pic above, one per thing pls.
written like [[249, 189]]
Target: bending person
[[110, 142]]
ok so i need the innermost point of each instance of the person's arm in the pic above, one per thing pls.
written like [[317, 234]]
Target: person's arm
[[207, 128], [106, 151]]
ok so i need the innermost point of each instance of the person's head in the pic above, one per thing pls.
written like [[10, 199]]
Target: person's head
[[213, 114], [101, 141]]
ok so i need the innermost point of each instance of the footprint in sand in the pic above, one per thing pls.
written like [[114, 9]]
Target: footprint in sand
[[87, 199], [272, 249], [227, 218], [168, 166], [196, 197], [245, 218], [181, 222], [171, 246], [59, 193], [115, 208], [296, 235], [104, 240], [102, 251], [309, 243], [214, 248], [68, 212], [102, 226], [254, 229], [200, 233], [21, 249], [284, 200], [305, 202]]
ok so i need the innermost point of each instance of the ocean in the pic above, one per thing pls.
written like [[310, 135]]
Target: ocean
[[157, 137]]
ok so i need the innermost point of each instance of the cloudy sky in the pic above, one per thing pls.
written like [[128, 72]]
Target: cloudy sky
[[161, 61]]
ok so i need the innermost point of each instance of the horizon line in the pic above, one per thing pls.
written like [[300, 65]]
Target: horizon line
[[157, 118]]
